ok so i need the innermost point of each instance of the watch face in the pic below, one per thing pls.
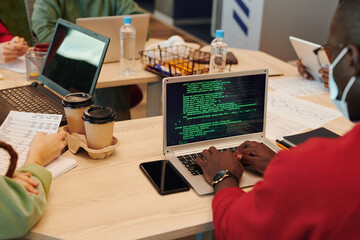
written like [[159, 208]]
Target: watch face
[[219, 175]]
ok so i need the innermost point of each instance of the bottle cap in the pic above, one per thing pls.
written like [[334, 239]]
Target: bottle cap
[[219, 33], [77, 100], [99, 115], [127, 20]]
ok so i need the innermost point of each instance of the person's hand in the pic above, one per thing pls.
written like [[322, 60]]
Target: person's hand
[[324, 71], [302, 70], [217, 161], [13, 49], [256, 154], [24, 178], [45, 148]]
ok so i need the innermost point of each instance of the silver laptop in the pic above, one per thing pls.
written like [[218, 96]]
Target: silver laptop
[[221, 110], [110, 27]]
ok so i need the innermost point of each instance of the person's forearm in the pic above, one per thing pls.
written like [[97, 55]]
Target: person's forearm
[[19, 211], [227, 182]]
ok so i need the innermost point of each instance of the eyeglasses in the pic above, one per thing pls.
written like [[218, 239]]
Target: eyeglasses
[[324, 53]]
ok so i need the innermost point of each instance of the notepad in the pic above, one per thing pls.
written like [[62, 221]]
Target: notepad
[[18, 130], [296, 139]]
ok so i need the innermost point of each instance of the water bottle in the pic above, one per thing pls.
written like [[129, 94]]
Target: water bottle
[[218, 53], [127, 47]]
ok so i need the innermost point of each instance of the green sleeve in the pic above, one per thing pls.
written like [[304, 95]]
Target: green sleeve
[[44, 17], [18, 211], [127, 7]]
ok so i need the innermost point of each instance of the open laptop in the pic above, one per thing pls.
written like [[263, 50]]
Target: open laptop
[[221, 110], [72, 64], [305, 51], [110, 27]]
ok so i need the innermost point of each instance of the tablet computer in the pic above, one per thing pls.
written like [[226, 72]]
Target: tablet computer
[[305, 51]]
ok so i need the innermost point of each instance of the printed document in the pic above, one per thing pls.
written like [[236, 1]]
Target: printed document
[[18, 130]]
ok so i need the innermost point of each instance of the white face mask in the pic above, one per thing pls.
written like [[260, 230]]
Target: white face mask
[[334, 90]]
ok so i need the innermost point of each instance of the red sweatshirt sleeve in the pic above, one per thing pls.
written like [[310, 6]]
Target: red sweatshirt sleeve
[[306, 193], [4, 34]]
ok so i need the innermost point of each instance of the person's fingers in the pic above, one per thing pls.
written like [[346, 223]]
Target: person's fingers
[[246, 144], [200, 162], [206, 154], [27, 186], [248, 159], [239, 156], [213, 150], [62, 134], [26, 177]]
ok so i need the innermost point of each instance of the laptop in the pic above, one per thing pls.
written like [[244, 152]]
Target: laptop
[[110, 27], [221, 110], [72, 64], [305, 51]]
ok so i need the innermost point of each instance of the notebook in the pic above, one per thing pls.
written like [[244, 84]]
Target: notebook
[[73, 63], [293, 140], [221, 110], [305, 51], [110, 27]]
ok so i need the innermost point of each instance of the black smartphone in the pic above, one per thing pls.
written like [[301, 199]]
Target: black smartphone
[[165, 178]]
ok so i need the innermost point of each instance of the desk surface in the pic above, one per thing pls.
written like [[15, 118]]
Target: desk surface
[[111, 198]]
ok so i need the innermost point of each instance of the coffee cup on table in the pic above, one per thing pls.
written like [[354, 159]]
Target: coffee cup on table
[[74, 105], [99, 126]]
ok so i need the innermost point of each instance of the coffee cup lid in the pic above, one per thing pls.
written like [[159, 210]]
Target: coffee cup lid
[[99, 115], [77, 100]]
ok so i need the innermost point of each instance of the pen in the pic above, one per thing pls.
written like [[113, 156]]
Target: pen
[[282, 144], [276, 75]]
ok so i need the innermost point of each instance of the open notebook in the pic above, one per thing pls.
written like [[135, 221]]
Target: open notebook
[[18, 130]]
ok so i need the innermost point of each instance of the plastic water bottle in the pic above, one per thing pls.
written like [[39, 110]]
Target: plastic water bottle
[[127, 47], [218, 53]]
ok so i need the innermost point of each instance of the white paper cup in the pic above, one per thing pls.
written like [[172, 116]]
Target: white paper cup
[[74, 105], [99, 126]]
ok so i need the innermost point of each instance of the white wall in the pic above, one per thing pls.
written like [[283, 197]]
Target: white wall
[[271, 22]]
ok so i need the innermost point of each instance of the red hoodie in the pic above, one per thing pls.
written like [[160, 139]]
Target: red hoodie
[[309, 192]]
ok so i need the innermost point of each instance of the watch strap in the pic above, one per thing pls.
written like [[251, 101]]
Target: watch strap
[[227, 174]]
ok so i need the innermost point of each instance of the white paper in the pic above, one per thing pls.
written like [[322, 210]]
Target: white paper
[[278, 127], [18, 66], [60, 166], [297, 86], [300, 111], [18, 130]]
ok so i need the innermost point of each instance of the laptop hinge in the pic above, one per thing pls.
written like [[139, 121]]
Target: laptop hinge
[[41, 88]]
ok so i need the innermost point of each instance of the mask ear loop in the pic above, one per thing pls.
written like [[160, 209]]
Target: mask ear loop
[[347, 88]]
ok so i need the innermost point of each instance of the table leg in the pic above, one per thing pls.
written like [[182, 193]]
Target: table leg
[[153, 103]]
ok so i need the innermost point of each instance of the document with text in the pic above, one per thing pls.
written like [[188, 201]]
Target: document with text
[[18, 130]]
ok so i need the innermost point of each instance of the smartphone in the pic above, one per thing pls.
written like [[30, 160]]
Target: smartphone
[[165, 178]]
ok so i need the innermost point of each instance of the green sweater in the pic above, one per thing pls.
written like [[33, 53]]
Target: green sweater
[[46, 12], [18, 211]]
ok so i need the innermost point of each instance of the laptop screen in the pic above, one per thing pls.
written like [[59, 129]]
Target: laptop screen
[[214, 108], [74, 59]]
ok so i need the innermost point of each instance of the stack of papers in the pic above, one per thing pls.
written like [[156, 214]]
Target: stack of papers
[[18, 130]]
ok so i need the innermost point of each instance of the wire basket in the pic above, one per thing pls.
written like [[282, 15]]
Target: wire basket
[[176, 61]]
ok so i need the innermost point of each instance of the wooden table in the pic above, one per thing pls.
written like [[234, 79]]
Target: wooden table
[[112, 199]]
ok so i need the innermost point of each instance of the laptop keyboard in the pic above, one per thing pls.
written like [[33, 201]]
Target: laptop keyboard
[[22, 99], [188, 160]]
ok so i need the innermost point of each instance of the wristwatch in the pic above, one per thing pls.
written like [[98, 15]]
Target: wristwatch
[[222, 175]]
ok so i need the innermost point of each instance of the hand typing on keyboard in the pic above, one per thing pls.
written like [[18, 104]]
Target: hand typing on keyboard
[[217, 161], [256, 154]]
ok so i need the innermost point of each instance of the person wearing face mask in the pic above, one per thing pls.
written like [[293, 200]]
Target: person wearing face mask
[[311, 191]]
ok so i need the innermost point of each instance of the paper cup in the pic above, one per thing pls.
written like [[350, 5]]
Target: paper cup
[[99, 126], [74, 105]]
